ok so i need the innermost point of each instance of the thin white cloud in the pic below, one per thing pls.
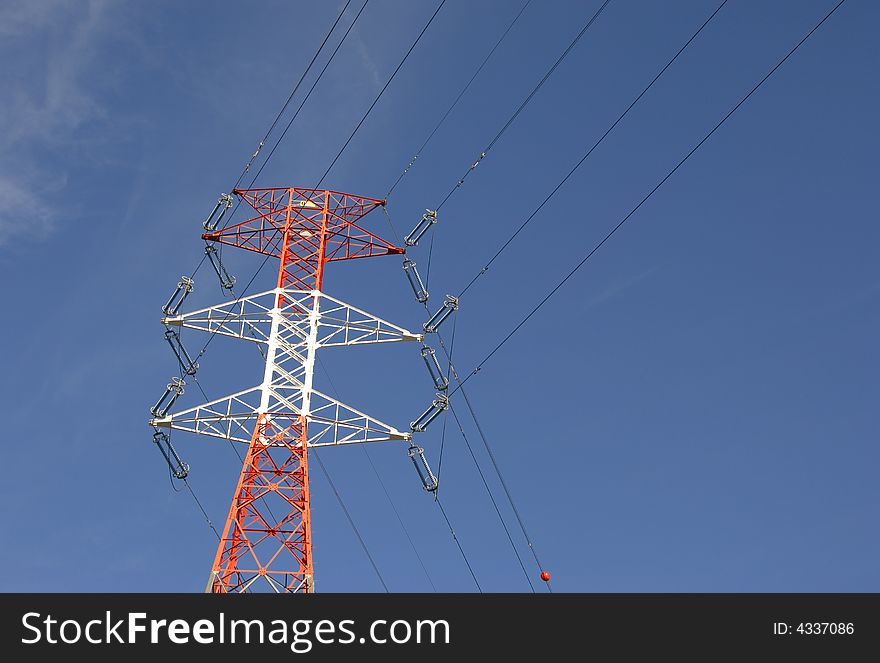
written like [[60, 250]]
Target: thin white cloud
[[20, 17], [366, 60], [44, 103], [617, 288], [23, 214]]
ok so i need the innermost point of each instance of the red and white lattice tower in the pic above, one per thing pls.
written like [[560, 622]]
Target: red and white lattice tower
[[266, 542]]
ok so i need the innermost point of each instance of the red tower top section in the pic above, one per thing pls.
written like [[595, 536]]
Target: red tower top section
[[305, 228]]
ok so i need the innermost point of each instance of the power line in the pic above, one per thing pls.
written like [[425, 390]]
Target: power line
[[525, 102], [457, 99], [509, 122], [382, 484], [381, 92], [480, 472], [460, 549], [396, 513], [497, 468], [468, 403], [201, 508], [451, 367], [491, 497], [350, 520], [648, 195], [399, 519], [290, 97], [589, 152], [195, 498], [470, 449], [309, 93]]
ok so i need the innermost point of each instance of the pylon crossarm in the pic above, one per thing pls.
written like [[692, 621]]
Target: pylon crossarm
[[342, 324], [331, 423], [230, 417], [250, 318]]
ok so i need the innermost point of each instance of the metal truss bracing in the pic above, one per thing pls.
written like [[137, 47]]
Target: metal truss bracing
[[331, 423], [313, 227], [266, 542], [250, 318]]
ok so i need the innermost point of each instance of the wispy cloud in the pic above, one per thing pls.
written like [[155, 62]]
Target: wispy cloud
[[615, 289], [23, 212], [366, 60], [45, 102], [19, 17]]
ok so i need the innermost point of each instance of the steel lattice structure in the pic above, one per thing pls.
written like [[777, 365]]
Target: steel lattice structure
[[266, 542]]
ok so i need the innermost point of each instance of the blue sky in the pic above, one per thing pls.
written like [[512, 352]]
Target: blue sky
[[695, 411]]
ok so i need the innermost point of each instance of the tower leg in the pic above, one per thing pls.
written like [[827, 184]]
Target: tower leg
[[267, 536]]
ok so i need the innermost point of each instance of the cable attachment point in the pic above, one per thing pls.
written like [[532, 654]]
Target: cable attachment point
[[450, 304], [173, 391], [179, 469], [227, 282], [429, 218], [438, 406], [430, 357], [415, 281], [223, 204], [184, 287], [186, 363], [417, 456]]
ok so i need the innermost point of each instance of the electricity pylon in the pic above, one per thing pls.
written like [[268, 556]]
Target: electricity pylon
[[266, 542]]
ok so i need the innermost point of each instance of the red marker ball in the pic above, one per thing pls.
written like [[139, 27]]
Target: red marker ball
[[545, 576]]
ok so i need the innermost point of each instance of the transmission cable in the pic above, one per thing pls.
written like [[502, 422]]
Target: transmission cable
[[470, 449], [460, 549], [508, 494], [457, 99], [309, 93], [589, 23], [451, 368], [492, 498], [202, 509], [525, 102], [350, 520], [195, 499], [483, 271], [482, 475], [648, 196], [247, 166], [382, 484], [397, 513], [381, 92], [590, 151]]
